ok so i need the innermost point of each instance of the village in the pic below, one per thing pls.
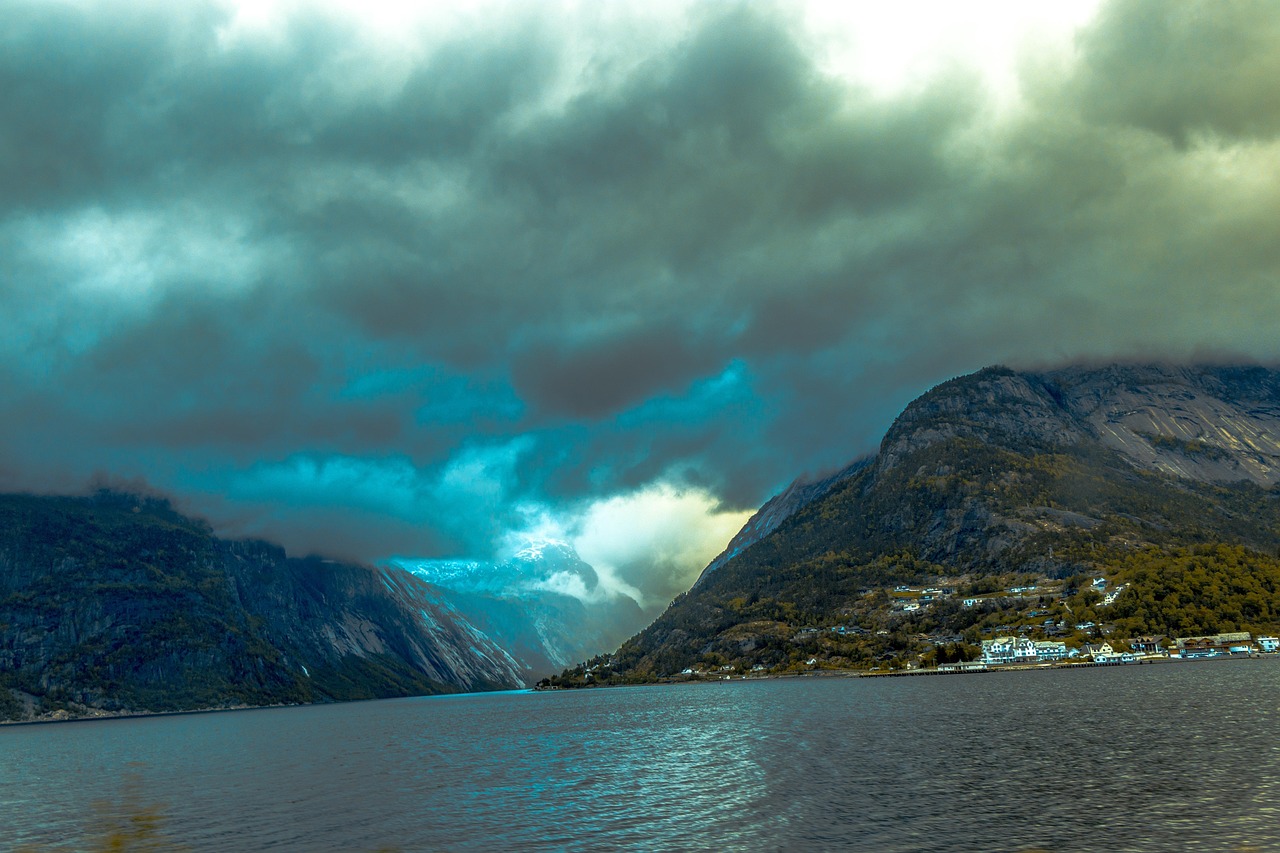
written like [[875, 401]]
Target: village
[[1003, 651], [1012, 647], [1031, 623], [1013, 653], [962, 624]]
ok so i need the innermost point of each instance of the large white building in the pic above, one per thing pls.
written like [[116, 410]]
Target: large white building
[[1008, 650]]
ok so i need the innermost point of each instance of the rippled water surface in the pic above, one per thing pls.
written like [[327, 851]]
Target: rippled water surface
[[1143, 758]]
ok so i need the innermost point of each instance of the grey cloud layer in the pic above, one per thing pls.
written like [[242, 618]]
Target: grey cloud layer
[[712, 263]]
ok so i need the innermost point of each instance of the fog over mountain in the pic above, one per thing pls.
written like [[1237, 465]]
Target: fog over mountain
[[377, 281], [545, 605]]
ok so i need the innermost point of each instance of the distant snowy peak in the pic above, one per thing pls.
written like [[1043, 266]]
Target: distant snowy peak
[[537, 550], [443, 572], [541, 560], [543, 564]]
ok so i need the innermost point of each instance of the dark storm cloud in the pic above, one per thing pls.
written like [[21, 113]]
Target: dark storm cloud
[[63, 74], [378, 296], [1187, 68], [597, 378]]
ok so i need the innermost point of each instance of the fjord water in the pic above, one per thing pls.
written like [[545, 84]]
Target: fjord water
[[1160, 758]]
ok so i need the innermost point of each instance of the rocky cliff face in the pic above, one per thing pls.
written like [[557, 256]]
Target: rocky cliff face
[[999, 457], [1209, 424], [1051, 473], [118, 604]]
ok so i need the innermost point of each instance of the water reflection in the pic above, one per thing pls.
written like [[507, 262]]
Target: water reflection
[[1154, 758]]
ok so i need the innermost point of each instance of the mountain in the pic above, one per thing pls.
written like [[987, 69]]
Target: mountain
[[778, 509], [544, 605], [116, 603], [1164, 481]]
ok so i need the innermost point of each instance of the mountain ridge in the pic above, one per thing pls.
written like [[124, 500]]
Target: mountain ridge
[[115, 603]]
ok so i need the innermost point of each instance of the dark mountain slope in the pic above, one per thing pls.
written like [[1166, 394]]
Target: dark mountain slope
[[1001, 473], [117, 603], [778, 509]]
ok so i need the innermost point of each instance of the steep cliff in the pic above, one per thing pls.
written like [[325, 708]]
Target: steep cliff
[[115, 603]]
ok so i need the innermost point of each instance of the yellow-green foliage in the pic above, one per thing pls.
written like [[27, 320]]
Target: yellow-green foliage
[[1198, 590]]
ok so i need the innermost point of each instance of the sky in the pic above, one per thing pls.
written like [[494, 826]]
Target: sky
[[425, 280]]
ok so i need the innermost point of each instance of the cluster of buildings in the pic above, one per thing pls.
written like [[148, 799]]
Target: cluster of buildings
[[1217, 645], [1098, 585], [1004, 650], [912, 599], [1011, 650]]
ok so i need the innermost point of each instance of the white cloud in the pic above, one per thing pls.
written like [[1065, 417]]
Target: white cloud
[[891, 48], [130, 256], [467, 498], [648, 545], [567, 583], [656, 539]]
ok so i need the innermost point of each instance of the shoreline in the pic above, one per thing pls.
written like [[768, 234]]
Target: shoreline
[[54, 719], [911, 673], [127, 715]]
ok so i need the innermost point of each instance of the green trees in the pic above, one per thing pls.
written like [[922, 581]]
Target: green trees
[[1202, 589]]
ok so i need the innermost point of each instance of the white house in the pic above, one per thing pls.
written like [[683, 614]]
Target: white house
[[1270, 645], [1110, 597], [1008, 650], [1050, 650]]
